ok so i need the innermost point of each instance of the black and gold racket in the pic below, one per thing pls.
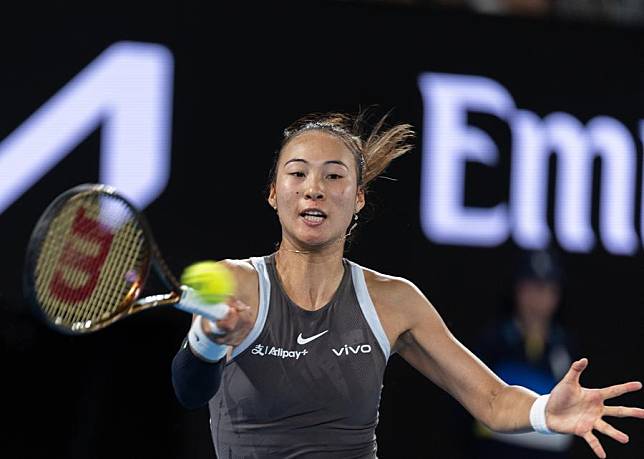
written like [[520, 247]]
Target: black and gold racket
[[88, 260]]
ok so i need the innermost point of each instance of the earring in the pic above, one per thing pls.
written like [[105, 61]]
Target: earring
[[355, 223]]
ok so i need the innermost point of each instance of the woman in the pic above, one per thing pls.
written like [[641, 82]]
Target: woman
[[296, 368]]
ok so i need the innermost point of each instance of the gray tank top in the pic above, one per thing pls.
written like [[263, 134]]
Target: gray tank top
[[303, 384]]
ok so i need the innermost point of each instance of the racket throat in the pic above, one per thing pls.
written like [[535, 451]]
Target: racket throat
[[165, 299]]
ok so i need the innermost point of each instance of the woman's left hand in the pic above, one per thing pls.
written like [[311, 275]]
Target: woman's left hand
[[574, 409]]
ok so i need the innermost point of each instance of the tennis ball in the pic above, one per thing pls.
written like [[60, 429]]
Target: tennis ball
[[211, 280]]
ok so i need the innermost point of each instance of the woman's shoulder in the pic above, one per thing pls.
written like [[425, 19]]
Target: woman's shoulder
[[242, 266], [397, 300], [388, 288], [245, 276]]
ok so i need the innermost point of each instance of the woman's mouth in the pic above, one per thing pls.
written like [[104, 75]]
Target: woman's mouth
[[313, 217]]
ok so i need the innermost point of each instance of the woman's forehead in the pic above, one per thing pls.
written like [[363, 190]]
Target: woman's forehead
[[316, 145]]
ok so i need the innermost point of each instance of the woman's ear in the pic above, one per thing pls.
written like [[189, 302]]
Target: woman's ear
[[272, 198], [360, 199]]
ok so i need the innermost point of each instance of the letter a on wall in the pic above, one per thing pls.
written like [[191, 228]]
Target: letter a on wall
[[127, 90]]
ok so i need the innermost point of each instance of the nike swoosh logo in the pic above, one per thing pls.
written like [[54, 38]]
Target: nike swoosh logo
[[301, 340]]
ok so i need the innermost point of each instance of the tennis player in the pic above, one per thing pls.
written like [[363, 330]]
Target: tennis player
[[296, 368]]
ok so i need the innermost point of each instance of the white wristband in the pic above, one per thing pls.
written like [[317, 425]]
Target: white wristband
[[538, 415], [204, 346], [191, 302]]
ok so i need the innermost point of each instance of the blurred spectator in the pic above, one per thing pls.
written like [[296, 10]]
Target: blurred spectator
[[529, 347], [618, 11], [527, 7], [623, 12]]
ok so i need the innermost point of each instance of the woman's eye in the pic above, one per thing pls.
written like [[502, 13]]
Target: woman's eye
[[296, 174], [334, 176]]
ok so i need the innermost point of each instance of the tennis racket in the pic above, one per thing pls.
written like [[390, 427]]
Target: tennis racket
[[88, 260]]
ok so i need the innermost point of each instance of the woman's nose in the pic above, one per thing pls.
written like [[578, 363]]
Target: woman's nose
[[314, 189]]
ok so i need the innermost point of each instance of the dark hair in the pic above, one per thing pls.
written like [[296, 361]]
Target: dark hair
[[544, 265], [372, 149]]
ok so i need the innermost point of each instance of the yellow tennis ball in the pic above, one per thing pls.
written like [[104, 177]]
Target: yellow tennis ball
[[211, 280]]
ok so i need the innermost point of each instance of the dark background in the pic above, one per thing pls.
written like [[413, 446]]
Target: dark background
[[242, 73]]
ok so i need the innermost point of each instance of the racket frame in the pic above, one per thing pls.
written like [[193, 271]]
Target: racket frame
[[131, 303]]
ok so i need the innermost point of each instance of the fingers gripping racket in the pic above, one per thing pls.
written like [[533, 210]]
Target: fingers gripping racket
[[88, 260]]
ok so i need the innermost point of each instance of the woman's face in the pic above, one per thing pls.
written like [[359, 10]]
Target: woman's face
[[315, 190]]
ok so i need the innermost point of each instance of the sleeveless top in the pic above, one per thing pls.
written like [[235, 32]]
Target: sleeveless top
[[303, 384]]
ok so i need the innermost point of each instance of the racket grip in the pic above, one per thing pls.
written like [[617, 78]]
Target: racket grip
[[191, 302]]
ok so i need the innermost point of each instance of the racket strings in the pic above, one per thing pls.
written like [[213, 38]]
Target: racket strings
[[51, 251], [127, 256], [109, 292], [73, 278], [92, 260]]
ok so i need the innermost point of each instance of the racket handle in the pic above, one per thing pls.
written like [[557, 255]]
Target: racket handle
[[191, 302]]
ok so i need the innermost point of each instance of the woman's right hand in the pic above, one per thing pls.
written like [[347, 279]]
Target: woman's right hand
[[234, 327]]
